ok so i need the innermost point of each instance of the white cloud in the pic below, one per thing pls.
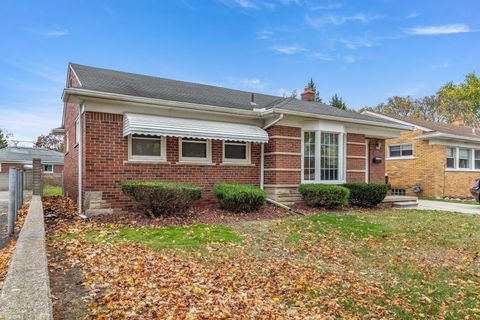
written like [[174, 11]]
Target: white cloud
[[439, 30], [356, 43], [293, 49], [322, 57], [412, 15], [288, 2], [349, 59], [246, 4], [253, 83], [54, 33], [318, 22], [264, 35], [249, 4], [328, 6], [439, 66]]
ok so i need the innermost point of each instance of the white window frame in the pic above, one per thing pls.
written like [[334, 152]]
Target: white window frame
[[400, 157], [457, 168], [163, 150], [455, 158], [341, 157], [248, 155], [47, 164], [207, 159], [66, 143], [77, 130]]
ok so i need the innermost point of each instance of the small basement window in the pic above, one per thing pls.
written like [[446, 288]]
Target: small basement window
[[399, 192], [236, 152], [147, 148], [400, 150], [195, 150]]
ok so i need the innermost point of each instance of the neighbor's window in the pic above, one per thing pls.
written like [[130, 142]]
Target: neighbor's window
[[309, 156], [66, 145], [147, 148], [329, 164], [464, 158], [477, 159], [236, 152], [195, 150], [47, 168], [451, 157], [400, 150]]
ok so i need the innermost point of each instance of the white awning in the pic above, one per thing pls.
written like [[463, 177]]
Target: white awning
[[189, 128]]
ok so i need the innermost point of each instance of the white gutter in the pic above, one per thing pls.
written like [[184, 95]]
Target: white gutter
[[201, 107], [385, 117], [447, 136], [271, 124], [80, 155]]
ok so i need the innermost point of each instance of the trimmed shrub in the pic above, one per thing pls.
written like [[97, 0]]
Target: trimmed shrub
[[156, 198], [324, 195], [239, 197], [366, 194]]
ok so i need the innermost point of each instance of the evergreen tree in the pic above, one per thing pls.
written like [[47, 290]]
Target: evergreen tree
[[313, 86], [337, 102], [3, 139]]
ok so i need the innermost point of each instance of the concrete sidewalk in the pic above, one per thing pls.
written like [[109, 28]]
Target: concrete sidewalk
[[448, 206]]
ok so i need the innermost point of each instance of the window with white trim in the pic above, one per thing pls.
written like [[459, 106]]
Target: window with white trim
[[323, 157], [236, 152], [464, 158], [77, 131], [146, 148], [309, 156], [66, 143], [400, 150], [195, 150], [477, 159], [329, 164], [48, 168], [451, 157]]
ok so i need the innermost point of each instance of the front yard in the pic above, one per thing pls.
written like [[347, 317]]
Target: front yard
[[370, 264]]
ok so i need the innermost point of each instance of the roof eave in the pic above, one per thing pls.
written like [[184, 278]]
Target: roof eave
[[441, 135]]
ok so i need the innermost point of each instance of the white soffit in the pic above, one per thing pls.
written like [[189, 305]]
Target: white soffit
[[189, 128]]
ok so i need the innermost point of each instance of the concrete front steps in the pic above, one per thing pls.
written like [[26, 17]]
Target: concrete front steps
[[402, 202]]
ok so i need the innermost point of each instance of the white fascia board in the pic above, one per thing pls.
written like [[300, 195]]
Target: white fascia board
[[447, 136], [341, 119], [385, 117]]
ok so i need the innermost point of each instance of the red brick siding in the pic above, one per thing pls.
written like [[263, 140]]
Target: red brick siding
[[70, 181], [106, 150], [57, 168], [377, 170], [355, 150], [283, 161], [6, 166]]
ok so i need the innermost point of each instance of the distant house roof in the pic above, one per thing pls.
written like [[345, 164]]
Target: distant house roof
[[26, 155], [436, 129], [137, 85]]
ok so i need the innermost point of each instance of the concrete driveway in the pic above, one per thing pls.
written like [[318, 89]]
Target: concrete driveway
[[448, 206]]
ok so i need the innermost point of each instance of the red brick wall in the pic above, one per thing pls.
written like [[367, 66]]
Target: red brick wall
[[57, 168], [71, 158], [106, 150], [6, 166], [275, 160], [377, 170]]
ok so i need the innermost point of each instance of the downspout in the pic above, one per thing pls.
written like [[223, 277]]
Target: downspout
[[262, 152], [80, 157]]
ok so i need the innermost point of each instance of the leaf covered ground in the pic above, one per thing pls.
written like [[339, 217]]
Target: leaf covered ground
[[375, 264]]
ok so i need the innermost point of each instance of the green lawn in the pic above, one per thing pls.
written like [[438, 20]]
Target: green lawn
[[52, 191], [397, 264]]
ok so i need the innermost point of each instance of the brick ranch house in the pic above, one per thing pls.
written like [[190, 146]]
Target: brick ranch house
[[121, 126], [442, 159]]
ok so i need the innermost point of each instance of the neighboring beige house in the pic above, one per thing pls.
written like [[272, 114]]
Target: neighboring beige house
[[442, 159]]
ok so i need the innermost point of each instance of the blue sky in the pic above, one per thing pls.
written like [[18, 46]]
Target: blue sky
[[365, 51]]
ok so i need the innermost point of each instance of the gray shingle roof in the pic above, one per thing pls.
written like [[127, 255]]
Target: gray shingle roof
[[26, 155], [104, 80]]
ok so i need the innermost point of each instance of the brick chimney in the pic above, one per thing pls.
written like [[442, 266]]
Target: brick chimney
[[458, 121], [308, 94]]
